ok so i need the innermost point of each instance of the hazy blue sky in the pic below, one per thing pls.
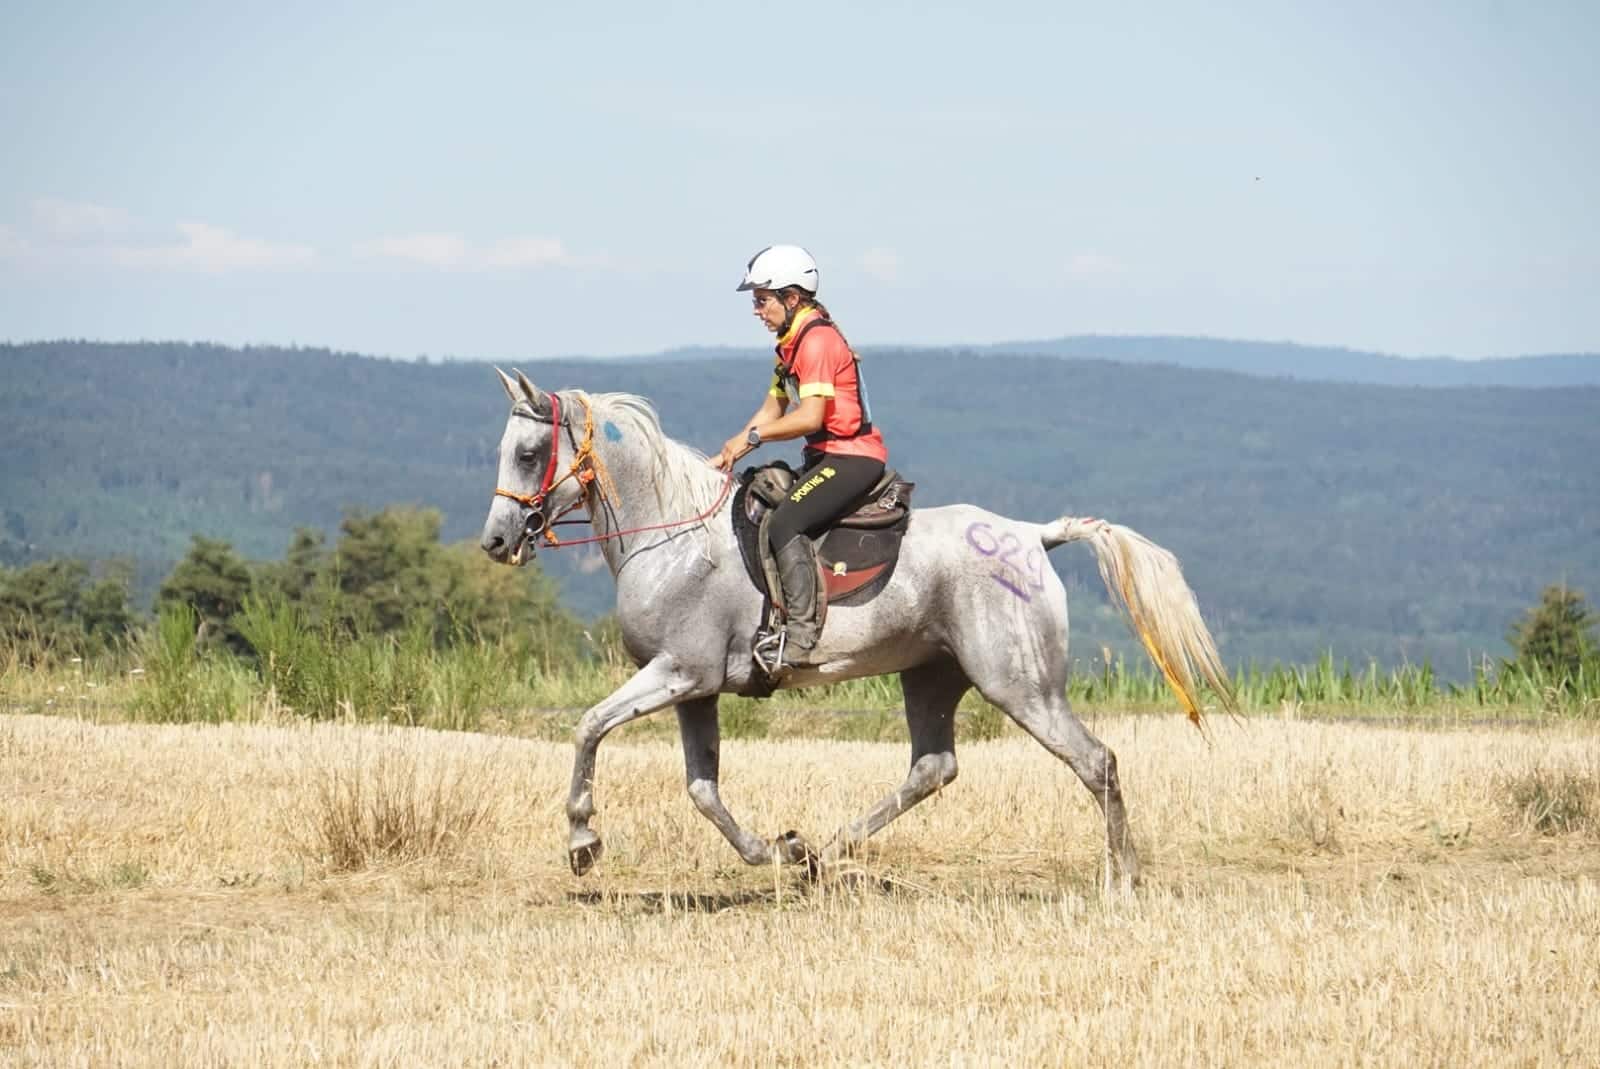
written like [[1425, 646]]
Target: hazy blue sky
[[531, 179]]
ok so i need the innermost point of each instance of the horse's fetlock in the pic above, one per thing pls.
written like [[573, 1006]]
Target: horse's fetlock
[[703, 793], [935, 769], [1108, 769]]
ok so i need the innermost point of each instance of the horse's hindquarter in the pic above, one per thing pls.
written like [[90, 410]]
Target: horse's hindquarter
[[965, 576], [968, 582]]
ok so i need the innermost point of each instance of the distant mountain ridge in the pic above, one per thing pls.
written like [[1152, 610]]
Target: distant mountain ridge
[[1288, 360], [1320, 363]]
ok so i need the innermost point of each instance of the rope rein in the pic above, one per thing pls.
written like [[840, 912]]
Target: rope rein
[[556, 543], [591, 473]]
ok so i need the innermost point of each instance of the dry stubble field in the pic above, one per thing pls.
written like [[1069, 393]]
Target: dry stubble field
[[1315, 893]]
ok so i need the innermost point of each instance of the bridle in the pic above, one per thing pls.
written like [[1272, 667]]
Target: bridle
[[591, 473], [584, 468]]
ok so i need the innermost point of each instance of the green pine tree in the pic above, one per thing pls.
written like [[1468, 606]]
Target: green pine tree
[[1556, 636], [214, 581], [58, 608]]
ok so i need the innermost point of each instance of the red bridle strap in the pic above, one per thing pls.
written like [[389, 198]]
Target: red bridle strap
[[548, 483], [589, 472]]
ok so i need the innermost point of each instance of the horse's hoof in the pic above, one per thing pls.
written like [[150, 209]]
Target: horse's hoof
[[583, 850], [1120, 882], [1128, 877], [793, 850]]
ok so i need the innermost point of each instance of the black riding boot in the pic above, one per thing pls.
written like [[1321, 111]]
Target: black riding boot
[[797, 570], [778, 650]]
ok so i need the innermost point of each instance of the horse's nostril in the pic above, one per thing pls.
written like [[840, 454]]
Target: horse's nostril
[[493, 545]]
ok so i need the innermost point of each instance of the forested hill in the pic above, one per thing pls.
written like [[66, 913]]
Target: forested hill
[[1321, 363], [1395, 523], [1309, 363]]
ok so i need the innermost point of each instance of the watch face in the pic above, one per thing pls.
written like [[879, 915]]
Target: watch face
[[754, 437]]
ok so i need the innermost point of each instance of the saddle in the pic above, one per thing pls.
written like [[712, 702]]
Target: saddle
[[855, 556]]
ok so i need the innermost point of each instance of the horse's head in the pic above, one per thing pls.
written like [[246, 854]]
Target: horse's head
[[527, 493]]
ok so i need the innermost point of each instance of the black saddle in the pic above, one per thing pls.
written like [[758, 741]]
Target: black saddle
[[855, 556]]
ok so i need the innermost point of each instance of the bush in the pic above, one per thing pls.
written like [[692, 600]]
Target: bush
[[213, 582], [323, 668], [53, 610], [180, 681], [1556, 637], [391, 809], [1554, 802]]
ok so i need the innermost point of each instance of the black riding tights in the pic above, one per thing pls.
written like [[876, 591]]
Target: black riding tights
[[829, 485]]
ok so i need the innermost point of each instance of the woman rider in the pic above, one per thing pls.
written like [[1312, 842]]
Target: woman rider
[[844, 453]]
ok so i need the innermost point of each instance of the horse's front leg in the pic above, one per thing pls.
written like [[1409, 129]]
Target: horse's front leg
[[702, 747], [657, 685]]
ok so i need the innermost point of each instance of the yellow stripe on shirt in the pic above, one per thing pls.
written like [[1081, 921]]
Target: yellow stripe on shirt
[[799, 320]]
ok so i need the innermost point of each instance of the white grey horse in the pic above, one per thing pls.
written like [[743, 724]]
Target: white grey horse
[[972, 603]]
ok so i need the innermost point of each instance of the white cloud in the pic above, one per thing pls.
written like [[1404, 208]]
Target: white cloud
[[434, 250], [1092, 265], [73, 219], [453, 252], [882, 264], [212, 248], [65, 233], [525, 252]]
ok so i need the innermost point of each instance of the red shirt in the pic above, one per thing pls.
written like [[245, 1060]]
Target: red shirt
[[825, 367]]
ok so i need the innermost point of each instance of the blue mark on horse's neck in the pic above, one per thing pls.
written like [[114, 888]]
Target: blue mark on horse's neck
[[612, 434]]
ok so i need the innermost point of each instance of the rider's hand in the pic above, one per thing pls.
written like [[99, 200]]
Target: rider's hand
[[732, 450]]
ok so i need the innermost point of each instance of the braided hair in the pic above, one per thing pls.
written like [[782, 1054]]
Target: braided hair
[[809, 300]]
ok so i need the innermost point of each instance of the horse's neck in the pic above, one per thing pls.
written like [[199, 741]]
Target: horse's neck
[[628, 493]]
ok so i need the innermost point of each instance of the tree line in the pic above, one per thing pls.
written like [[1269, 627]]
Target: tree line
[[388, 573]]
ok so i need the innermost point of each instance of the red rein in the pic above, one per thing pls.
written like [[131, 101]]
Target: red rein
[[586, 476], [707, 514]]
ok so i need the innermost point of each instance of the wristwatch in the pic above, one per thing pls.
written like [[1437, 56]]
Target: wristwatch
[[754, 437]]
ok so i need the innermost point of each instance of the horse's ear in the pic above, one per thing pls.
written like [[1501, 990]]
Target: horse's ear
[[510, 385], [536, 398]]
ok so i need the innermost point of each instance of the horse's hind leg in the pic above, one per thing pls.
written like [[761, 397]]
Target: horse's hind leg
[[1048, 718], [932, 692], [702, 744]]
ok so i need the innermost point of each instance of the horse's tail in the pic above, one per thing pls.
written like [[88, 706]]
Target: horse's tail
[[1148, 586]]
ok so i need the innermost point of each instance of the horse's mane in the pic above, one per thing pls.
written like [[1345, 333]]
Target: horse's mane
[[685, 485]]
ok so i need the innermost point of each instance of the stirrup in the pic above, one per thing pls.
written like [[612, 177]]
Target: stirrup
[[768, 650]]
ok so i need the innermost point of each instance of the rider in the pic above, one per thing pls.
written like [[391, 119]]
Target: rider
[[844, 453]]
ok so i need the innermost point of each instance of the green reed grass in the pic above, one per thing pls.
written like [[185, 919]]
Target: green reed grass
[[308, 667], [183, 681]]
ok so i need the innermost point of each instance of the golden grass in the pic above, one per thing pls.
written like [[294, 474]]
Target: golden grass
[[1316, 894]]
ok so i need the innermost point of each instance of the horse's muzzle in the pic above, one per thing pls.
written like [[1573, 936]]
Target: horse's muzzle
[[527, 547]]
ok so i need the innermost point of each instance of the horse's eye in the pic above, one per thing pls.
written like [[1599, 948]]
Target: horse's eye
[[527, 456]]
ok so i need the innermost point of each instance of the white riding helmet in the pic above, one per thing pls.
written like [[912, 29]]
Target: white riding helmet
[[777, 266]]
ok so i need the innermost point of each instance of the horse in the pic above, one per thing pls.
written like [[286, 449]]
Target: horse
[[972, 603]]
